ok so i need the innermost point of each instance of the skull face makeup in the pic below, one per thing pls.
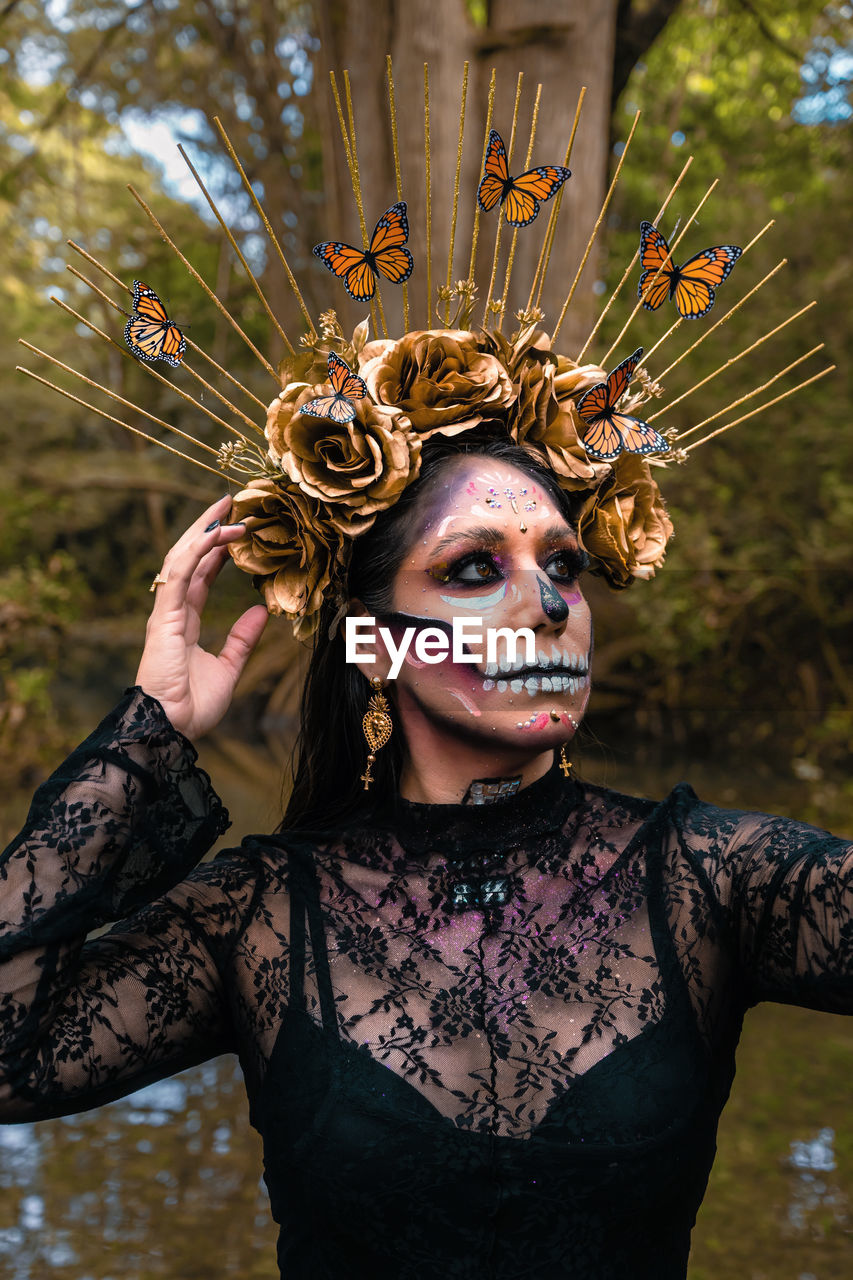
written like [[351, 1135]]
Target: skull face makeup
[[472, 560]]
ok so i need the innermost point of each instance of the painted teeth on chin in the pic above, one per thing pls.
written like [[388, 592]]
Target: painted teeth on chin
[[556, 682]]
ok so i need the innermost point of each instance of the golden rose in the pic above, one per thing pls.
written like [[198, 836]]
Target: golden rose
[[535, 405], [530, 345], [440, 379], [625, 526], [538, 418], [288, 402], [290, 549], [571, 379], [355, 468], [543, 417]]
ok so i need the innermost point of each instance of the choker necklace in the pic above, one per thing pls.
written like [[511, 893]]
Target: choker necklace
[[486, 790]]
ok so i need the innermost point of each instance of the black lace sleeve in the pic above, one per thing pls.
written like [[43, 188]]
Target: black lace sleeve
[[119, 824], [784, 892]]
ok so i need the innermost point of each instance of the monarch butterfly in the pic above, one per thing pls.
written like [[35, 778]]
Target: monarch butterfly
[[150, 333], [359, 268], [691, 286], [345, 383], [522, 194], [610, 432]]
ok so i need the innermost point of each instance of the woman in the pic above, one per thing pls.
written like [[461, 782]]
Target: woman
[[486, 1014]]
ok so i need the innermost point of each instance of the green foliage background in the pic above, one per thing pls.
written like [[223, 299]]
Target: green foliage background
[[741, 648]]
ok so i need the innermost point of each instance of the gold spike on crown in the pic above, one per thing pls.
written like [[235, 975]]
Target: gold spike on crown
[[302, 513]]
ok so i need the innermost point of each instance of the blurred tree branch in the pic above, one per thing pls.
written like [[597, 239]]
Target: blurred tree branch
[[638, 25]]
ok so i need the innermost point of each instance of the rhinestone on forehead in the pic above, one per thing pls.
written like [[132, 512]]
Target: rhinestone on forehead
[[514, 499]]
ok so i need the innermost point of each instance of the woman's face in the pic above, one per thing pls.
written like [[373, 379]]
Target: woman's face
[[493, 546]]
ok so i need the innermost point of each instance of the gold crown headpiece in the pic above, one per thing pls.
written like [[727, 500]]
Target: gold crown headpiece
[[344, 436]]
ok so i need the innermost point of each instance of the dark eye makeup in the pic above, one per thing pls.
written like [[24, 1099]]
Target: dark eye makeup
[[482, 568]]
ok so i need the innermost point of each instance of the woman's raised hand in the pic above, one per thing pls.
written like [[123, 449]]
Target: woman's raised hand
[[194, 687]]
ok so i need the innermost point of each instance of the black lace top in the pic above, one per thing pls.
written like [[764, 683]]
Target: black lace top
[[519, 1078]]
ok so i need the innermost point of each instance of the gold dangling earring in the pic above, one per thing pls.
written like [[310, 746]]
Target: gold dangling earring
[[376, 726], [565, 763]]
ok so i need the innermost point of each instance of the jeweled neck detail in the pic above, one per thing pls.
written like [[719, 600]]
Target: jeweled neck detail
[[506, 823]]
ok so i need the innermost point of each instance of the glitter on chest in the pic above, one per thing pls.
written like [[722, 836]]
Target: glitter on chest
[[553, 955]]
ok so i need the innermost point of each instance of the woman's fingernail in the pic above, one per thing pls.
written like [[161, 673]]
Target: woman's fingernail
[[214, 524]]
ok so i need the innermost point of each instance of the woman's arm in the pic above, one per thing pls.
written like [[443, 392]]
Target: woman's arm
[[125, 818], [792, 890], [785, 896], [121, 822], [84, 1023]]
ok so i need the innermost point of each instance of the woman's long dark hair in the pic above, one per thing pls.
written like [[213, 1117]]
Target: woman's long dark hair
[[330, 753]]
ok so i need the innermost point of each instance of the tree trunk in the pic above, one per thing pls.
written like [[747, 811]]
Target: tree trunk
[[562, 44]]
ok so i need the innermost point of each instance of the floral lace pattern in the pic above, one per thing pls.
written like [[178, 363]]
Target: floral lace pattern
[[515, 1083]]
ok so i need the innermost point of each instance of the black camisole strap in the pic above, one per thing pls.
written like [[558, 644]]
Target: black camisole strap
[[305, 898], [297, 930]]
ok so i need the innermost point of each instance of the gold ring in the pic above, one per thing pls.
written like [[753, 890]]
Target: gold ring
[[159, 581]]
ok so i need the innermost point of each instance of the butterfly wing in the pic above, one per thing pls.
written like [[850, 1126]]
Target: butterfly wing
[[654, 292], [535, 186], [155, 340], [387, 244], [495, 173], [174, 345], [360, 282], [700, 277], [396, 265], [489, 192], [392, 229], [520, 207], [336, 407], [593, 404], [604, 437], [150, 333], [345, 382], [620, 379], [146, 303], [637, 436], [350, 265], [654, 258]]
